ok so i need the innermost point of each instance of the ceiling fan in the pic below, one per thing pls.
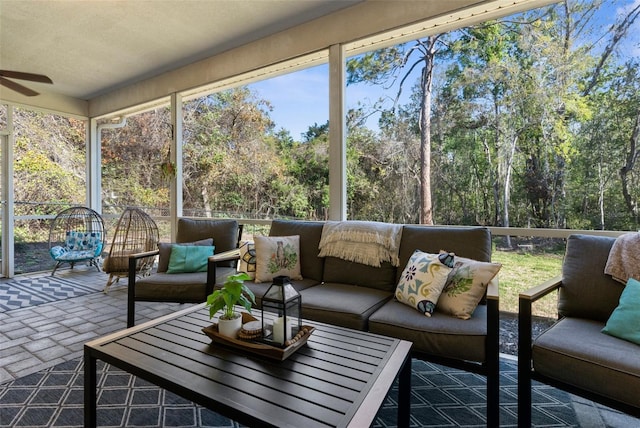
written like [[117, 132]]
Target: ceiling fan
[[5, 75]]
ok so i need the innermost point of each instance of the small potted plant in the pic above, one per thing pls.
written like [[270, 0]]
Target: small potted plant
[[232, 293]]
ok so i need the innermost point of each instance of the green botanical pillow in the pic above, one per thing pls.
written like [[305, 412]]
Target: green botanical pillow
[[624, 322], [277, 255], [189, 258], [422, 281], [465, 287]]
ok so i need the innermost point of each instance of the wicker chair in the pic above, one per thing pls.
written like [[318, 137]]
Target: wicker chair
[[135, 232], [77, 234]]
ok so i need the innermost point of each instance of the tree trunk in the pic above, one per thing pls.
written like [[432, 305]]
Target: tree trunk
[[632, 156], [426, 204], [507, 185]]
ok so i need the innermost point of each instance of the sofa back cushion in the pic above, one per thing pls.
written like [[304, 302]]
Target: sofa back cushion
[[586, 291], [223, 232], [347, 272], [311, 265], [470, 242]]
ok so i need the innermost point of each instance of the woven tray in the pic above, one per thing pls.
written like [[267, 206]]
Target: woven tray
[[258, 347]]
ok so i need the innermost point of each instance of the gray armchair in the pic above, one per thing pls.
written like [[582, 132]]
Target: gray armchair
[[574, 355], [188, 287]]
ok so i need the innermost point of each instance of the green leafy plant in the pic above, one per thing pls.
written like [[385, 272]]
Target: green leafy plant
[[233, 292]]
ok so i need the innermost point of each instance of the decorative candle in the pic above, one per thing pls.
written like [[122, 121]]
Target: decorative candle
[[279, 335]]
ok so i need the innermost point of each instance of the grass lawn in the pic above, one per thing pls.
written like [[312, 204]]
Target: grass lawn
[[521, 271]]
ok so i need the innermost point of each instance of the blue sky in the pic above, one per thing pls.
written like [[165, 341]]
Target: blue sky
[[301, 99]]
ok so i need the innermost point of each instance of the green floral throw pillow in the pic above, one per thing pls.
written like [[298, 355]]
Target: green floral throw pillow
[[465, 287], [277, 255]]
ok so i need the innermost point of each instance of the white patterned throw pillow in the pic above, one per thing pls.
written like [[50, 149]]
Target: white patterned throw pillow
[[422, 281], [247, 262], [277, 255]]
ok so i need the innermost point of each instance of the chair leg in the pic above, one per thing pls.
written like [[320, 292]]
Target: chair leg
[[131, 293], [524, 363], [493, 398], [109, 282], [56, 268]]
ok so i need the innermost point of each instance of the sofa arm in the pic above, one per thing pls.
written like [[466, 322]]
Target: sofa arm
[[226, 256], [525, 303], [493, 292], [137, 256], [212, 263]]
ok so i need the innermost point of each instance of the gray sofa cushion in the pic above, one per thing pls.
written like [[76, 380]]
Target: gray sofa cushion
[[259, 288], [470, 242], [310, 231], [178, 287], [346, 272], [586, 292], [342, 304], [223, 232], [441, 335], [576, 352]]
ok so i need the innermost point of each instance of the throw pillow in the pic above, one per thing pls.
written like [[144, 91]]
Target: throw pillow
[[164, 250], [624, 322], [277, 255], [466, 286], [422, 281], [247, 262], [189, 258]]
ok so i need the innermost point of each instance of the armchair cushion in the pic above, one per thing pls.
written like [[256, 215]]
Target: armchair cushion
[[575, 351], [586, 291], [189, 258], [223, 232], [624, 322]]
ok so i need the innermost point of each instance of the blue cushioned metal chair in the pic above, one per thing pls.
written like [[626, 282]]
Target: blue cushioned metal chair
[[77, 234]]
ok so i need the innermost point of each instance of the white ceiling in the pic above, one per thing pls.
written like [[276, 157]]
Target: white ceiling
[[91, 47]]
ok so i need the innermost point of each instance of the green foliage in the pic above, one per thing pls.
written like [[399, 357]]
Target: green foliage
[[519, 137], [233, 292]]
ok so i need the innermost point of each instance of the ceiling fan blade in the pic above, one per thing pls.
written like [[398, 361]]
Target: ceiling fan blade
[[17, 87], [25, 76]]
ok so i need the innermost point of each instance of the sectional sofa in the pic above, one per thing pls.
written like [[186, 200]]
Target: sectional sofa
[[359, 296]]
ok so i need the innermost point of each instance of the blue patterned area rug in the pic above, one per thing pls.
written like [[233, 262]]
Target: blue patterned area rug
[[440, 397], [16, 294]]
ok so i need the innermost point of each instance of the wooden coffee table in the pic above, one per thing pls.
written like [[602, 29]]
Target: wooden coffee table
[[339, 379]]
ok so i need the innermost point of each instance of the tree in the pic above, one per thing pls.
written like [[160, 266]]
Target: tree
[[390, 64]]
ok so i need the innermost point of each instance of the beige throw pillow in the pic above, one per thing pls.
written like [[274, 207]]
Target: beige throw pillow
[[465, 287], [277, 255]]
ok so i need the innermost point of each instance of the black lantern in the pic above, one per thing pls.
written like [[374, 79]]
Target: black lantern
[[281, 310]]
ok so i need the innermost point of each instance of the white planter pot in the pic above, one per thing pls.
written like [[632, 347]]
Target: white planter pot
[[230, 328]]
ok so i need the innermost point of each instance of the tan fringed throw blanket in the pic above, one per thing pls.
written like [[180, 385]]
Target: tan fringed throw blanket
[[366, 242], [624, 258]]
